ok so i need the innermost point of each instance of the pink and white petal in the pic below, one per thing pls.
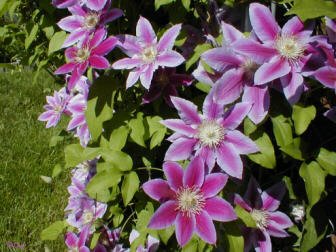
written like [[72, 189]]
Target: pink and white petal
[[147, 76], [169, 59], [205, 228], [219, 209], [229, 160], [293, 87], [220, 59], [74, 37], [63, 3], [186, 110], [230, 33], [97, 38], [208, 156], [167, 40], [174, 174], [132, 78], [256, 51], [99, 62], [71, 53], [235, 115], [292, 27], [45, 116], [71, 240], [194, 174], [144, 31], [179, 125], [106, 46], [127, 63], [263, 22], [272, 70], [83, 235], [260, 97], [184, 228], [240, 142], [76, 122], [238, 200], [77, 9], [264, 243], [202, 76], [66, 68], [228, 88], [85, 249], [211, 109], [180, 149], [158, 189], [213, 184], [129, 44], [71, 23], [327, 76], [164, 216], [276, 230], [272, 196], [96, 5], [281, 219]]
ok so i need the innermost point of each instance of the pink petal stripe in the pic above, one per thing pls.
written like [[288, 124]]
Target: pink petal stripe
[[180, 149], [66, 68], [129, 44], [213, 184], [169, 59], [219, 209], [71, 240], [327, 76], [230, 33], [75, 36], [264, 243], [229, 160], [132, 78], [106, 46], [187, 110], [174, 174], [272, 70], [292, 27], [71, 53], [281, 219], [179, 126], [241, 143], [97, 37], [235, 115], [144, 31], [96, 5], [272, 196], [126, 63], [194, 174], [205, 227], [71, 23], [99, 62], [220, 59], [212, 109], [184, 228], [293, 87], [263, 22], [147, 76], [164, 216], [158, 189], [167, 40], [238, 200], [276, 230]]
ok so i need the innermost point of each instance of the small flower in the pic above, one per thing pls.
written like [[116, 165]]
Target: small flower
[[57, 105], [262, 206], [152, 244], [75, 243], [146, 54], [213, 135], [189, 201], [298, 212]]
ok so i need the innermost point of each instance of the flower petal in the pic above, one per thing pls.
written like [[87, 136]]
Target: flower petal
[[66, 68], [212, 109], [179, 126], [75, 36], [168, 38], [263, 22], [208, 156], [126, 63], [292, 27], [158, 189], [186, 110], [169, 59], [180, 149], [147, 76], [144, 31], [174, 174], [240, 142], [276, 230], [184, 228], [272, 196], [112, 15], [220, 59], [106, 46], [129, 44], [327, 76], [213, 184], [164, 216], [229, 160], [194, 174], [205, 227], [270, 71], [71, 240], [219, 209], [238, 200], [264, 243], [132, 78], [99, 62], [235, 115], [230, 33], [281, 219], [293, 87], [71, 23], [96, 5]]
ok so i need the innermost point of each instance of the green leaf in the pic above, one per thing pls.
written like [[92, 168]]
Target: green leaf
[[53, 231], [327, 160], [129, 187], [31, 37], [289, 186], [249, 126], [166, 233], [186, 4], [282, 130], [75, 154], [203, 87], [118, 138], [199, 49], [159, 3], [117, 159], [56, 171], [308, 9], [157, 138], [266, 156], [245, 217], [302, 116], [294, 149], [314, 178], [138, 131], [56, 41], [234, 238]]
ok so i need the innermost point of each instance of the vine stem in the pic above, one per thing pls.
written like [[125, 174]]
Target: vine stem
[[149, 168], [127, 220]]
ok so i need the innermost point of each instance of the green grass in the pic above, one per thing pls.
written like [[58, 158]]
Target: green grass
[[28, 205]]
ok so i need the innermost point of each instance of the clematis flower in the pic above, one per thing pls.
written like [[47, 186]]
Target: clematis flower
[[213, 135], [84, 22], [262, 206], [189, 201], [284, 51], [91, 53], [165, 83], [152, 244], [95, 5], [57, 105], [146, 54], [331, 29], [61, 4], [75, 243]]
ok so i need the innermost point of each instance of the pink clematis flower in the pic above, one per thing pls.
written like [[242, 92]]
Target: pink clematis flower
[[152, 244], [91, 53], [212, 135], [189, 201], [57, 105], [75, 243], [284, 51], [262, 206], [95, 5], [84, 22], [146, 54]]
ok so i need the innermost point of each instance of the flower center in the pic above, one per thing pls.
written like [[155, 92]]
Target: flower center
[[260, 217], [210, 133], [82, 54], [149, 54], [289, 47], [91, 20], [87, 217], [190, 200], [250, 67], [58, 109]]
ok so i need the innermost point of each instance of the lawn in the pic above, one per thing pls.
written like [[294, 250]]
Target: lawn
[[28, 204]]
